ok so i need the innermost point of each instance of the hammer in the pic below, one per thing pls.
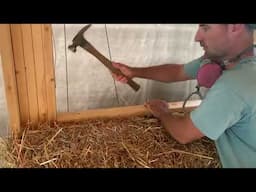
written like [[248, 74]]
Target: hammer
[[79, 40]]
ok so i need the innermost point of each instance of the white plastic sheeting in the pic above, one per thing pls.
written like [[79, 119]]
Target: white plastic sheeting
[[3, 106], [87, 84]]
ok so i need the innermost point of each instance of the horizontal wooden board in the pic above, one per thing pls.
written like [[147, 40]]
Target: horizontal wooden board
[[119, 111]]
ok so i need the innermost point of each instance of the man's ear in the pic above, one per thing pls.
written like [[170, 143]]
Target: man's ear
[[235, 30], [236, 27]]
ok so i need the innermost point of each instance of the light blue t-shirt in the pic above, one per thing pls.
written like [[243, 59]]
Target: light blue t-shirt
[[228, 113]]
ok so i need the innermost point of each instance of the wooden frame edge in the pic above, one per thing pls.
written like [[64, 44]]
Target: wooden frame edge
[[137, 110]]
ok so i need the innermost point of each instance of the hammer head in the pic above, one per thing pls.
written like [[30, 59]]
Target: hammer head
[[79, 40]]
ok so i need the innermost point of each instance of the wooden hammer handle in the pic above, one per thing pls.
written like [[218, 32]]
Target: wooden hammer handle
[[88, 47]]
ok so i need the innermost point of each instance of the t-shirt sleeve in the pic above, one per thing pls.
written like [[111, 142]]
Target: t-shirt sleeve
[[192, 67], [220, 110]]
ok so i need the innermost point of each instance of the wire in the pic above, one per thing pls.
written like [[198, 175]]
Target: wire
[[54, 44], [66, 63], [117, 96], [197, 92]]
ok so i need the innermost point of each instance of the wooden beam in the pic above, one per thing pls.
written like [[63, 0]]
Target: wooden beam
[[9, 77], [137, 110], [49, 71], [27, 54], [30, 72], [40, 72], [20, 72]]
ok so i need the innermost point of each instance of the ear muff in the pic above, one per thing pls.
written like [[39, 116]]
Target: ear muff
[[208, 73]]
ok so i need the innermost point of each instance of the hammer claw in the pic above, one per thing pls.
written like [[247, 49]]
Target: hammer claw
[[81, 32], [72, 48]]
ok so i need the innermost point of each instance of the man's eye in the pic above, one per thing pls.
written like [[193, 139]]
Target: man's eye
[[205, 28]]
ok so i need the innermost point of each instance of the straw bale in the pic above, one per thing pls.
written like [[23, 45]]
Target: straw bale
[[134, 142]]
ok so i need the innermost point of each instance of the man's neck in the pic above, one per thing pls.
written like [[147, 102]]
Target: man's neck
[[241, 48], [247, 51], [242, 53]]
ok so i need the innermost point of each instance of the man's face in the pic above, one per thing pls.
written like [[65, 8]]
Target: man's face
[[214, 38]]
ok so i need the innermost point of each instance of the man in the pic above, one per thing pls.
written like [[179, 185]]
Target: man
[[227, 115]]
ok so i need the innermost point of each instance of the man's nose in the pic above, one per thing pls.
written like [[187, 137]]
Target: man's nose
[[198, 36]]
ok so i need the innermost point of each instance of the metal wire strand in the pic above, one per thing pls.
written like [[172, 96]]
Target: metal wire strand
[[54, 45], [66, 63], [116, 92], [197, 92]]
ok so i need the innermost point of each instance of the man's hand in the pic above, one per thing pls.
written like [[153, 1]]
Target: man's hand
[[125, 70], [157, 107]]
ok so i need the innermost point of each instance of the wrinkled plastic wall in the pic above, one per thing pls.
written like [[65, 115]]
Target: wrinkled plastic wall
[[87, 84]]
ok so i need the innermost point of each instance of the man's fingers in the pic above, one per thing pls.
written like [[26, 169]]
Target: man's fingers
[[147, 106], [120, 78], [123, 80], [117, 65]]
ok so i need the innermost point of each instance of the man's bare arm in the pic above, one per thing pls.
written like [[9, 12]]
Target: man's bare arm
[[181, 129], [163, 73]]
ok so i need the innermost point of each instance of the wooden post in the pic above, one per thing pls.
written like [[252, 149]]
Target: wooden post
[[28, 52], [49, 71], [16, 32], [39, 64], [28, 68], [33, 52], [9, 78]]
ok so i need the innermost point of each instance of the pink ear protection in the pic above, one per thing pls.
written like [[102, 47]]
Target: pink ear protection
[[210, 72], [207, 75]]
